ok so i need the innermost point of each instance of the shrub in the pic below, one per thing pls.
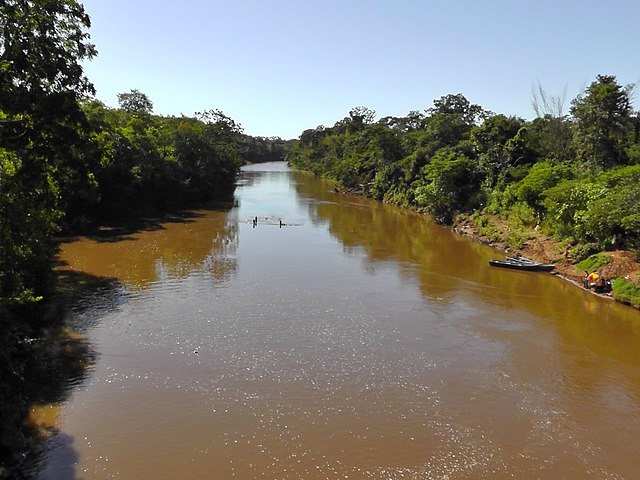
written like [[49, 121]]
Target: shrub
[[542, 176], [486, 228], [582, 251], [517, 239], [522, 215]]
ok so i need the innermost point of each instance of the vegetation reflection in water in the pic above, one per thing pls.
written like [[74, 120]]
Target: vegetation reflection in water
[[40, 368], [366, 342], [178, 245], [446, 265], [43, 366]]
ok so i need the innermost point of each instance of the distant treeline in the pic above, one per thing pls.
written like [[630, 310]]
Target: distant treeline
[[264, 149], [574, 175]]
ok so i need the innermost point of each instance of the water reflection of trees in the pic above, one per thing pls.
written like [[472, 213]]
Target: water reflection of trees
[[174, 246], [446, 265], [423, 250], [40, 366]]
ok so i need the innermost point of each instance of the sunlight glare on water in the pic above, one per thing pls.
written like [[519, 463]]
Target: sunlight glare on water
[[357, 340]]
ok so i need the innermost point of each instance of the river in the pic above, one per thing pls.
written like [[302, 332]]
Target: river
[[356, 340]]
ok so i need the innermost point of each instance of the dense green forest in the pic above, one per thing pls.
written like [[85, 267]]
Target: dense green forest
[[576, 176]]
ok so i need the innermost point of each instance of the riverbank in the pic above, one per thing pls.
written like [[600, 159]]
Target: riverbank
[[620, 264], [531, 243], [38, 366]]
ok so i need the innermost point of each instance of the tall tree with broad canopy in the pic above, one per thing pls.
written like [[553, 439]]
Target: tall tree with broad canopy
[[41, 81], [459, 107], [602, 116], [135, 102]]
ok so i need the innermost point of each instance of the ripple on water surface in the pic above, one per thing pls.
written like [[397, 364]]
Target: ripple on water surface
[[342, 348]]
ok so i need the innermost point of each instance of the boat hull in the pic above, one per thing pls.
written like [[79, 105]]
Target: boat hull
[[526, 266]]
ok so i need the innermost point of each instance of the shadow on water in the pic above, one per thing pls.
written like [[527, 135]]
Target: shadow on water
[[139, 254], [39, 367], [66, 457], [126, 229]]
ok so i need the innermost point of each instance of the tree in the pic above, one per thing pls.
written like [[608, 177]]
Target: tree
[[449, 122], [602, 115], [603, 210], [361, 117], [135, 102], [412, 121], [450, 183], [553, 138], [541, 177], [492, 142], [263, 149], [551, 127], [209, 151], [457, 105], [41, 80], [41, 43]]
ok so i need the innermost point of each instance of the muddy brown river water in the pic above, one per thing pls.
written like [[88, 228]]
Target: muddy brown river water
[[356, 341]]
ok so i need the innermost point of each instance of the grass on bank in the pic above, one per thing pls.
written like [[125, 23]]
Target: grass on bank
[[627, 291], [592, 263]]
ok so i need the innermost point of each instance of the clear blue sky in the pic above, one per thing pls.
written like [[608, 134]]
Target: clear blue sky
[[279, 67]]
